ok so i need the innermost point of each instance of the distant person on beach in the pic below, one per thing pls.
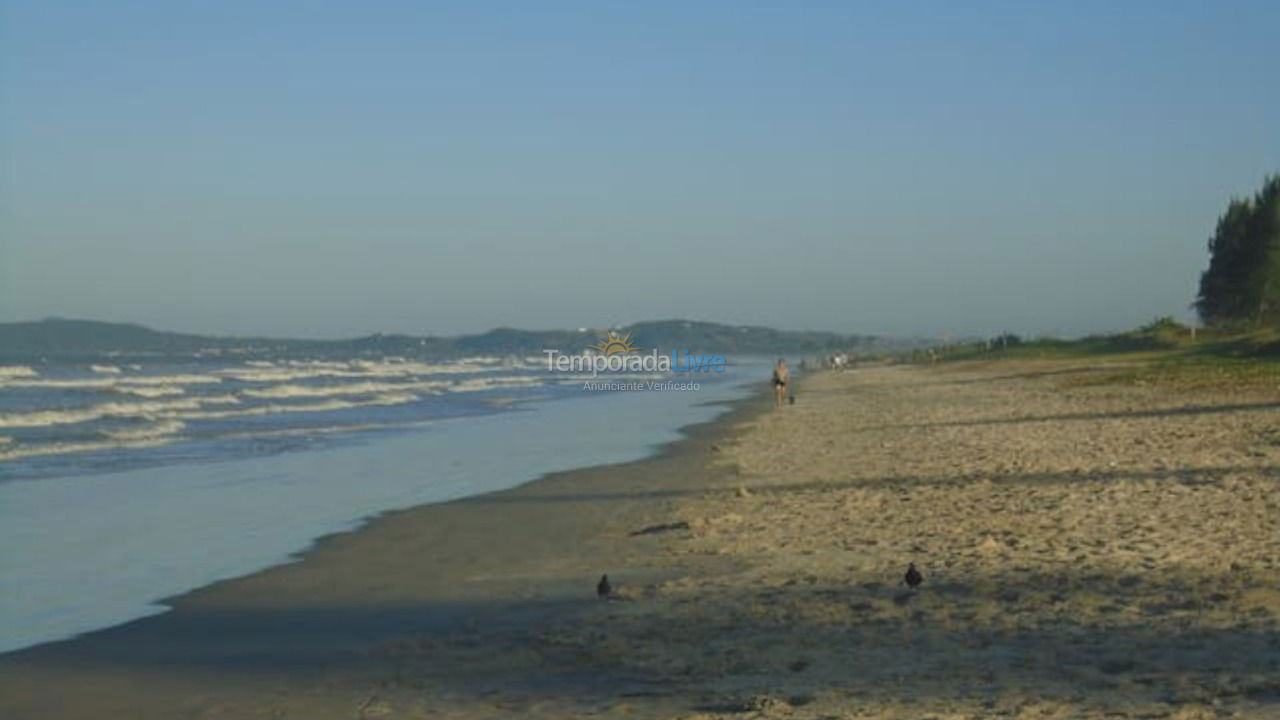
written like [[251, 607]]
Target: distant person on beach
[[781, 376]]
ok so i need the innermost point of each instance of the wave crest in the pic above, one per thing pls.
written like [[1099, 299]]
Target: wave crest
[[161, 429], [16, 371], [43, 418]]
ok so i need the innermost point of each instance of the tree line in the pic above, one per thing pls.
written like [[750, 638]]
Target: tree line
[[1242, 283]]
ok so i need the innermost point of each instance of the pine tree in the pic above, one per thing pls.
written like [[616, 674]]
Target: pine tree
[[1242, 282], [1264, 232]]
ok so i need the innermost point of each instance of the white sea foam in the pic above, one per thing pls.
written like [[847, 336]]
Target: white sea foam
[[334, 364], [417, 368], [111, 382], [274, 408], [66, 383], [44, 418], [479, 360], [16, 371], [194, 407], [150, 391], [211, 521], [150, 431], [160, 434], [105, 369], [356, 388], [180, 379], [355, 369], [18, 451], [293, 391], [281, 374], [480, 384], [259, 363]]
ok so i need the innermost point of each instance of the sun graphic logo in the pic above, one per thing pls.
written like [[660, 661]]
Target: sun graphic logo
[[614, 344]]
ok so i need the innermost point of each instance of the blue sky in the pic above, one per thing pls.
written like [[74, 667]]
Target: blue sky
[[329, 169]]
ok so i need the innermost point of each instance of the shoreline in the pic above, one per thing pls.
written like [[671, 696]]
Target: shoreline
[[1089, 550], [172, 529], [505, 557]]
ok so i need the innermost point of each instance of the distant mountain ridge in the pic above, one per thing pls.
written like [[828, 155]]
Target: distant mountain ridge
[[65, 338]]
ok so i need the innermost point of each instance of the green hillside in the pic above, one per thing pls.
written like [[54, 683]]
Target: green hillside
[[62, 338]]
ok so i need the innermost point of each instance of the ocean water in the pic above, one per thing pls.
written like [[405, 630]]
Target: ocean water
[[122, 484]]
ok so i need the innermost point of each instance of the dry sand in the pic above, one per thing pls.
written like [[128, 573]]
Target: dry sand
[[1089, 550]]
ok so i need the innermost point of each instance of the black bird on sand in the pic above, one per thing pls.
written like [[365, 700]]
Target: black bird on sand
[[913, 576], [603, 588]]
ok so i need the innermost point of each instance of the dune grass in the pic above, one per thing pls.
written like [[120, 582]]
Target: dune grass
[[1163, 352]]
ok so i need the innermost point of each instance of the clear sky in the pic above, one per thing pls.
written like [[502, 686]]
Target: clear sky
[[329, 169]]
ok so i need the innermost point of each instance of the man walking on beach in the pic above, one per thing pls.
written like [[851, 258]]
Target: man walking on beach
[[781, 376]]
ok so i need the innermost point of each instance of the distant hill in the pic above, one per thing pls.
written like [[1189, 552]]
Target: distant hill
[[57, 336], [63, 338]]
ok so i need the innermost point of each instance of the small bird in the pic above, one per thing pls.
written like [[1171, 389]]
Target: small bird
[[913, 577], [603, 588], [791, 400]]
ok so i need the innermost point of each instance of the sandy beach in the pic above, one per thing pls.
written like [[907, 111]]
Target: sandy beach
[[1090, 550]]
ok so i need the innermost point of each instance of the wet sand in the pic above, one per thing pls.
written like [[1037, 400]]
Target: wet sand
[[1089, 550], [420, 611]]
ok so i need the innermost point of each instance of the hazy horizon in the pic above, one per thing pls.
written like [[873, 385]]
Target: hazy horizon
[[546, 328], [549, 328], [290, 170]]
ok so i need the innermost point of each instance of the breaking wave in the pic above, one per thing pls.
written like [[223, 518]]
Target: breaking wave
[[147, 432], [17, 452], [354, 369], [16, 371], [149, 391], [480, 384], [44, 418], [358, 388], [113, 404], [160, 434], [273, 408], [112, 382]]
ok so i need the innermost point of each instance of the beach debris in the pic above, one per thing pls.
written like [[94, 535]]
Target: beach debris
[[743, 492], [603, 588], [913, 578], [761, 705], [765, 704], [791, 400], [661, 528], [990, 544], [372, 707]]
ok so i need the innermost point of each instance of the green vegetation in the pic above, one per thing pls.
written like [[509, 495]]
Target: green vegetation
[[1242, 282], [1162, 352], [61, 338], [1239, 301]]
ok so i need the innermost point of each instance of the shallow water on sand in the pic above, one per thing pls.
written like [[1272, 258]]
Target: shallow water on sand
[[92, 550]]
